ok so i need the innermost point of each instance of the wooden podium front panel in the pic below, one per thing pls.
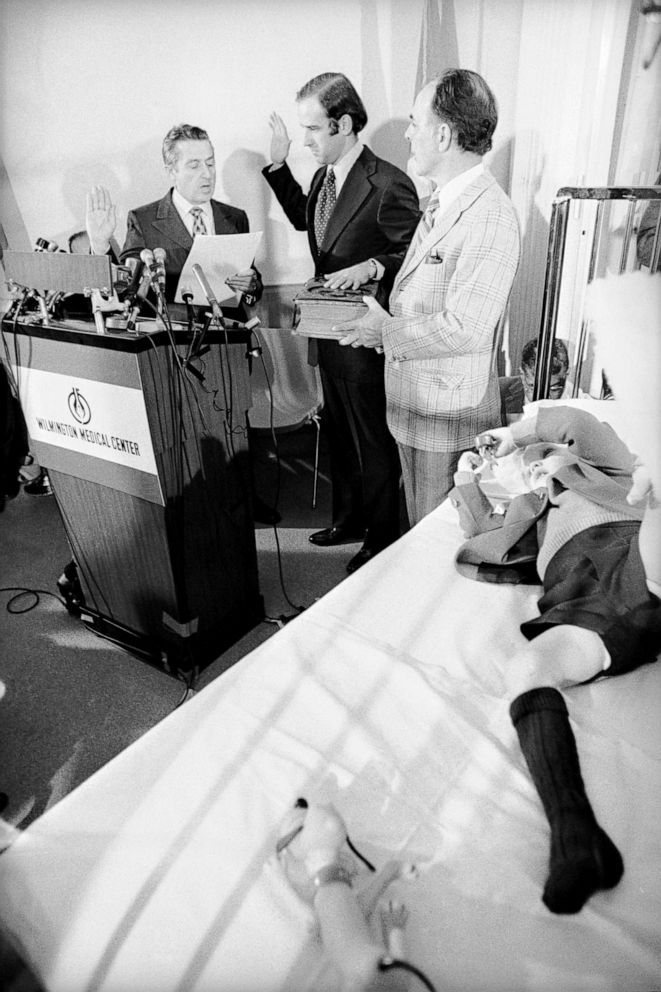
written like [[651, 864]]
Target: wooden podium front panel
[[176, 564], [201, 447], [120, 546]]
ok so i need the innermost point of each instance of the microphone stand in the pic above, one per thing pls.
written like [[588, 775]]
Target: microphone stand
[[213, 302], [102, 303], [192, 330]]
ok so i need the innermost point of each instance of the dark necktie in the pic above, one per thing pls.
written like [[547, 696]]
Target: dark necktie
[[199, 225], [325, 204]]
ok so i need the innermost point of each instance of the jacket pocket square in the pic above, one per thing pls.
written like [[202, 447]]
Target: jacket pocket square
[[433, 258]]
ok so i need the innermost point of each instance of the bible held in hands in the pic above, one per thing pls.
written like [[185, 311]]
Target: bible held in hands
[[318, 309]]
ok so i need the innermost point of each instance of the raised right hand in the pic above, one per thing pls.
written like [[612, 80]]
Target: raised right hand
[[280, 140], [100, 219]]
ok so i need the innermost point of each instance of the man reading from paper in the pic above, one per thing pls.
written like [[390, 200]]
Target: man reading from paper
[[172, 222]]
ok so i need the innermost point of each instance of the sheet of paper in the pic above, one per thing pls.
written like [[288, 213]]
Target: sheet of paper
[[219, 256]]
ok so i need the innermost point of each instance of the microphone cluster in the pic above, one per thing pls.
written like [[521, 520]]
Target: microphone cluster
[[148, 272], [154, 262]]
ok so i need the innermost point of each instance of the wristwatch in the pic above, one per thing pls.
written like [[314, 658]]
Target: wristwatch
[[374, 271]]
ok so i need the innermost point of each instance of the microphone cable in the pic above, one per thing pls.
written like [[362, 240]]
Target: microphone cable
[[280, 621]]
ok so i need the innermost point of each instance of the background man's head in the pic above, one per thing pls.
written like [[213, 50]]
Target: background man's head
[[559, 369], [331, 114], [455, 113], [190, 163]]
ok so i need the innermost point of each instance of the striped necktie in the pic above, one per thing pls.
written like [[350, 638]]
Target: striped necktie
[[199, 224], [425, 225], [325, 205], [429, 216]]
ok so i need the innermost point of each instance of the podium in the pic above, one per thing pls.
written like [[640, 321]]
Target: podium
[[149, 464]]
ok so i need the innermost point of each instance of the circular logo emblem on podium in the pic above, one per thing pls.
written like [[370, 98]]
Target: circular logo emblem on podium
[[79, 407]]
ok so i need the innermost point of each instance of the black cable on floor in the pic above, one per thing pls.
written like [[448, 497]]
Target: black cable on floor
[[20, 591]]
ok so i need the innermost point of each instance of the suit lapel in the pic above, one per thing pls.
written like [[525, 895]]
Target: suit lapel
[[354, 192], [170, 224], [420, 246], [221, 221]]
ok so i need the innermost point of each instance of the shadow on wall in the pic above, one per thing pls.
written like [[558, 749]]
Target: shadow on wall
[[500, 164], [76, 184], [244, 186], [13, 226], [283, 255], [528, 292], [388, 142], [140, 179]]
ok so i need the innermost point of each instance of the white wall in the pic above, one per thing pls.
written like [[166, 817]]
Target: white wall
[[90, 89], [91, 86]]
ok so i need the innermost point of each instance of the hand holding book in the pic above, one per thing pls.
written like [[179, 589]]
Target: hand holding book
[[328, 313], [365, 331]]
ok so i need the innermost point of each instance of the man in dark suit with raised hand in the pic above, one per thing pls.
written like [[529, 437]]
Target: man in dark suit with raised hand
[[360, 214], [173, 221]]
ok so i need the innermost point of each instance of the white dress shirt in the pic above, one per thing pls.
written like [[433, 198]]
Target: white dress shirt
[[183, 208], [445, 195], [344, 165]]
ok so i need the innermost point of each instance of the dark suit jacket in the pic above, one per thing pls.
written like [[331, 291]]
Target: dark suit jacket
[[158, 225], [376, 214]]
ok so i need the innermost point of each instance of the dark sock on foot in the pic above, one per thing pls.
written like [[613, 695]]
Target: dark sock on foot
[[583, 858]]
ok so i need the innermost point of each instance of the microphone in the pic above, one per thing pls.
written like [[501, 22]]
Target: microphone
[[147, 257], [209, 293], [140, 295], [159, 258], [187, 297], [148, 260], [128, 290]]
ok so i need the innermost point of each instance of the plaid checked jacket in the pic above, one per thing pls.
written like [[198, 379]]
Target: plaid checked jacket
[[446, 303]]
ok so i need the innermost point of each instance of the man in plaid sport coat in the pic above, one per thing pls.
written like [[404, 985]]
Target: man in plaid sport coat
[[440, 336]]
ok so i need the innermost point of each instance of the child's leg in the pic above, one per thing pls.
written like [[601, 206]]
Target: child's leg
[[583, 859], [561, 656]]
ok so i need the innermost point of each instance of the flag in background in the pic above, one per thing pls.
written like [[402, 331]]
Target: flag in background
[[438, 51], [438, 42]]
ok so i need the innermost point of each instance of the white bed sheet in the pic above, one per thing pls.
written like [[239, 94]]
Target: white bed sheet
[[386, 698]]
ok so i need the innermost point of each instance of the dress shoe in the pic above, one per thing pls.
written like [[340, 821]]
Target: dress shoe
[[263, 514], [40, 486], [363, 556], [335, 535]]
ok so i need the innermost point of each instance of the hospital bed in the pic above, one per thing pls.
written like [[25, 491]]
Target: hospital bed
[[386, 699]]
